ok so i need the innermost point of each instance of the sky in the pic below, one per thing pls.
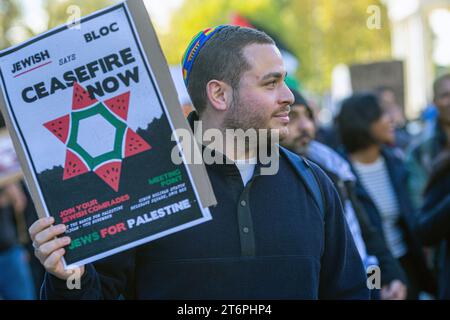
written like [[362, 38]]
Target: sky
[[160, 13]]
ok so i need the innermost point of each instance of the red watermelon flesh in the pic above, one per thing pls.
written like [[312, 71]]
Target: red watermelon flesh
[[134, 144], [81, 98], [74, 166], [110, 173], [119, 105], [59, 127]]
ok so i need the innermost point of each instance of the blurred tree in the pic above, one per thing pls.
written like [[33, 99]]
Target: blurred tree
[[14, 29], [333, 32], [59, 11], [196, 15], [10, 21], [322, 33]]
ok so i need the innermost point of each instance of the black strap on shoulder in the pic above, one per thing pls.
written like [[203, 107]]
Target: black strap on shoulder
[[309, 178]]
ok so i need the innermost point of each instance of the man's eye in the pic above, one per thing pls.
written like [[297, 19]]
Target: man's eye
[[272, 84]]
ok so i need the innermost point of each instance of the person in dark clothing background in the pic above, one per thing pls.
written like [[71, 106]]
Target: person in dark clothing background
[[390, 105], [17, 279], [16, 282], [434, 221], [365, 129], [267, 239], [371, 245], [422, 153]]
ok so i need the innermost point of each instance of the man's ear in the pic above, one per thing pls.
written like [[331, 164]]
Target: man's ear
[[219, 94]]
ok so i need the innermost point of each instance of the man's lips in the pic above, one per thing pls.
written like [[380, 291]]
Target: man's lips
[[284, 117]]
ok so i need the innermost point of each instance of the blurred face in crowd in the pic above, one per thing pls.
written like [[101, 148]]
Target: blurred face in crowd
[[442, 101], [389, 103], [382, 130], [262, 100], [301, 130]]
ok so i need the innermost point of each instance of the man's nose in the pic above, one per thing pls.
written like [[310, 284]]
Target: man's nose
[[286, 95]]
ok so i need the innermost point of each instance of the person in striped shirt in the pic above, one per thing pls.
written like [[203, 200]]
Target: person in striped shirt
[[366, 131]]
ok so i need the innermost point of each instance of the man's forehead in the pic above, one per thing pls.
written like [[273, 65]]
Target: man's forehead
[[264, 59]]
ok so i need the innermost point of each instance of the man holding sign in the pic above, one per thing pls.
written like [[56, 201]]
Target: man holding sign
[[269, 237]]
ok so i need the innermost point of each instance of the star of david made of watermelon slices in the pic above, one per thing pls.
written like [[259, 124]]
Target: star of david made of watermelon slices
[[97, 136]]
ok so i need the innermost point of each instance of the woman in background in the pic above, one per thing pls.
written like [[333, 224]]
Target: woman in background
[[366, 132]]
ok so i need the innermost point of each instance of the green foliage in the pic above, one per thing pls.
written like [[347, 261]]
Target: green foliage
[[10, 13], [322, 33], [58, 9]]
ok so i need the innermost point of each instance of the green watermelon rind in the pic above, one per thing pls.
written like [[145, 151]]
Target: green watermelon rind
[[127, 140], [68, 123], [103, 175], [81, 104], [67, 164], [111, 105]]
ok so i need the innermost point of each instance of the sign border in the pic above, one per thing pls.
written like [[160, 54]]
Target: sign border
[[147, 44]]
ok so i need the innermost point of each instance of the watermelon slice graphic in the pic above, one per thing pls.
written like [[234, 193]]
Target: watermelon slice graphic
[[74, 166], [59, 127], [134, 144], [110, 173], [81, 98], [119, 105]]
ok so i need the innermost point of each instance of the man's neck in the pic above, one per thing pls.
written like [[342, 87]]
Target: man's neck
[[367, 156], [230, 141]]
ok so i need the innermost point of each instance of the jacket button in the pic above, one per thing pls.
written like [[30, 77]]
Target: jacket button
[[245, 230], [243, 203]]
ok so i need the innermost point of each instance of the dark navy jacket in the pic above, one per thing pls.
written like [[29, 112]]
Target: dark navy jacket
[[297, 253], [398, 176], [434, 228]]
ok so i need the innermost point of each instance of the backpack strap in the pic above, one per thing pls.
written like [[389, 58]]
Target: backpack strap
[[308, 176]]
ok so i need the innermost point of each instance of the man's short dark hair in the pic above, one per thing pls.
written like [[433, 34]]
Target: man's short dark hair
[[438, 82], [357, 115], [222, 58]]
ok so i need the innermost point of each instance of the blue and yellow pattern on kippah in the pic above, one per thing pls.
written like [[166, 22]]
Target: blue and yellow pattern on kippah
[[193, 50]]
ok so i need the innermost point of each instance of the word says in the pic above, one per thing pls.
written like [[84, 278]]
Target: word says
[[67, 59]]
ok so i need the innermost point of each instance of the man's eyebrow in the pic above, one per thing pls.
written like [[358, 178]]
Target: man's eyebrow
[[276, 75]]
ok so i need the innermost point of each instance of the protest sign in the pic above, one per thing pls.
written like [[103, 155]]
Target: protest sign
[[91, 109]]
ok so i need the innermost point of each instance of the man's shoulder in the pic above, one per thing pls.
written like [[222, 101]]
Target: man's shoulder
[[322, 177], [422, 144], [315, 179]]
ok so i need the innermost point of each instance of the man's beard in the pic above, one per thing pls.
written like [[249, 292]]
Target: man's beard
[[301, 143], [238, 120]]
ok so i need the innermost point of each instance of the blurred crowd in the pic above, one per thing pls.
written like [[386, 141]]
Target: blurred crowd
[[394, 185]]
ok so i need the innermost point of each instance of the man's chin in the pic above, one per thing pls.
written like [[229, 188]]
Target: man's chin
[[282, 129]]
